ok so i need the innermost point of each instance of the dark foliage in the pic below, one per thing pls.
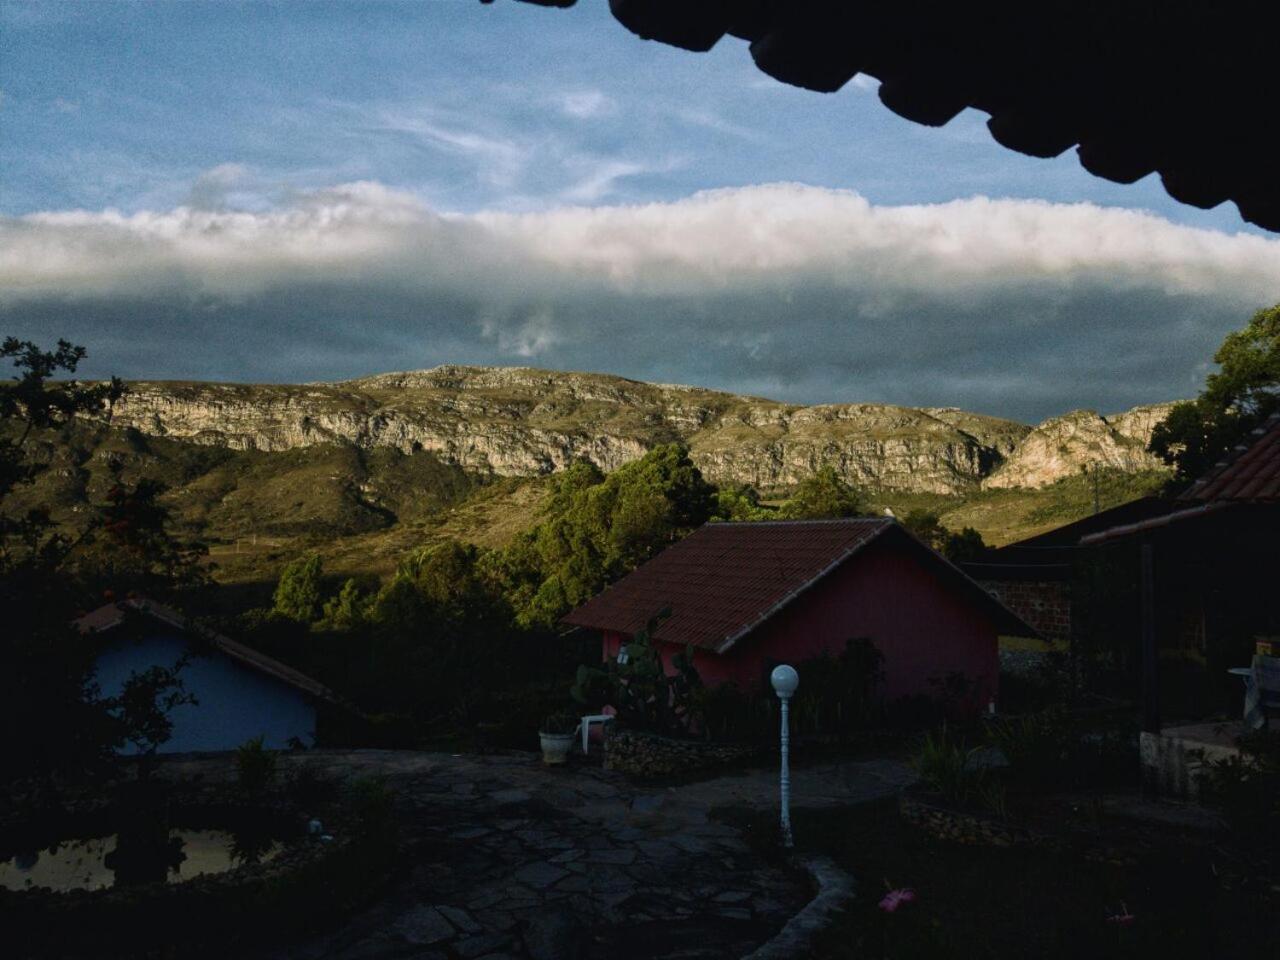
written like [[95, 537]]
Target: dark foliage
[[1240, 395]]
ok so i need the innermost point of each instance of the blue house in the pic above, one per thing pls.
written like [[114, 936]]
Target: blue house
[[240, 692]]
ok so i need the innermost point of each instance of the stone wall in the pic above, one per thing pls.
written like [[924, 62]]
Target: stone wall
[[963, 827], [648, 755], [1044, 604]]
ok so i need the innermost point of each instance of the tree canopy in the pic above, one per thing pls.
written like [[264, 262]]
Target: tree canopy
[[822, 496], [1238, 396], [300, 593]]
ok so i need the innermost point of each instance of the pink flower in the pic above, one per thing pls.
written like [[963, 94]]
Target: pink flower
[[1124, 918], [896, 898]]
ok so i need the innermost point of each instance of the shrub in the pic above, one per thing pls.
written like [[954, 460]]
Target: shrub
[[1037, 746], [837, 695], [638, 685], [1050, 749], [947, 767], [299, 594], [560, 724], [1247, 789], [725, 712], [255, 766]]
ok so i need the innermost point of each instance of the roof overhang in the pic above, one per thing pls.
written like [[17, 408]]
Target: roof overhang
[[1110, 80]]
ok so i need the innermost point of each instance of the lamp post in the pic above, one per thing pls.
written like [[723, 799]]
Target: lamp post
[[785, 680]]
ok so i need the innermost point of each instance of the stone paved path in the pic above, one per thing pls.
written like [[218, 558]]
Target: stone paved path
[[511, 859]]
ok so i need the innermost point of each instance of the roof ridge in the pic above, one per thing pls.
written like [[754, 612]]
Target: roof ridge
[[780, 523]]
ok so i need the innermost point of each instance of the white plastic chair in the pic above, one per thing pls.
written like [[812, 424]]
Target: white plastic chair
[[600, 718]]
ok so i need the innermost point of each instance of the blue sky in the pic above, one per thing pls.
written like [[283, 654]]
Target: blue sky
[[487, 114], [469, 106]]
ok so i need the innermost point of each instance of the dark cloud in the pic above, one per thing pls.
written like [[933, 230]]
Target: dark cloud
[[1019, 308]]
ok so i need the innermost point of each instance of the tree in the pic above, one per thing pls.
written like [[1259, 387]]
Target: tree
[[822, 496], [967, 545], [740, 503], [598, 528], [133, 550], [348, 609], [52, 717], [1240, 395], [300, 592], [956, 547], [143, 706], [927, 527]]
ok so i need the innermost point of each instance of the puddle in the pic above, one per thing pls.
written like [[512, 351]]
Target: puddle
[[84, 864]]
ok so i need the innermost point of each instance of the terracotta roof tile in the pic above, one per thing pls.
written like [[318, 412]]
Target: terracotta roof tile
[[1251, 473], [726, 578]]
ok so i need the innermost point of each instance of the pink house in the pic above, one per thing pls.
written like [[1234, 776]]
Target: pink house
[[746, 596]]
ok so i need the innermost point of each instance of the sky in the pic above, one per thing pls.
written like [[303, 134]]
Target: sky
[[304, 191]]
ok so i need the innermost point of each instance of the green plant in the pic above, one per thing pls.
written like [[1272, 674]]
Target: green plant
[[822, 496], [1246, 787], [640, 688], [837, 694], [143, 706], [947, 767], [561, 723], [255, 766], [1036, 745], [299, 594], [1237, 397]]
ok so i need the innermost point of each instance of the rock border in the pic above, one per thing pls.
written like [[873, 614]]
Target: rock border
[[835, 889], [641, 754], [959, 826]]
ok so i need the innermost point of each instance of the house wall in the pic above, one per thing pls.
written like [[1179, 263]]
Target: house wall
[[924, 627], [235, 702], [1044, 604]]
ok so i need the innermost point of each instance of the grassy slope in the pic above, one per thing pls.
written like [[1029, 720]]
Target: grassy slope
[[363, 510], [1005, 515]]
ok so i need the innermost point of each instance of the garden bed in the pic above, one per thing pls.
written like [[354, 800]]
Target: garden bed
[[1023, 900]]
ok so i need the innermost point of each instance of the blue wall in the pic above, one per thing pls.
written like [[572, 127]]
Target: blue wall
[[235, 702]]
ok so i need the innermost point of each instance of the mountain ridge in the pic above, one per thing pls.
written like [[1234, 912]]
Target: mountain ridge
[[526, 421]]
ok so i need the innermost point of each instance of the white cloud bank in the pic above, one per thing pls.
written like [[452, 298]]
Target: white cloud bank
[[1019, 307]]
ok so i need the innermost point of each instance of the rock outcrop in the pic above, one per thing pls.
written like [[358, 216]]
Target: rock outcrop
[[1063, 446], [516, 421]]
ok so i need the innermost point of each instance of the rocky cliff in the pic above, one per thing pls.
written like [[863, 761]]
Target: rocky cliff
[[514, 421], [1063, 446]]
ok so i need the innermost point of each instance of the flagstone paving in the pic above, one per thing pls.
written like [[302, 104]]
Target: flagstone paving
[[510, 859]]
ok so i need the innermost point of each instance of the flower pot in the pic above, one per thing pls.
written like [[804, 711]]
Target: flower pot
[[556, 747]]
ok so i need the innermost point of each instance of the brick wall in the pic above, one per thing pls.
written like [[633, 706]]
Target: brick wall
[[1044, 604]]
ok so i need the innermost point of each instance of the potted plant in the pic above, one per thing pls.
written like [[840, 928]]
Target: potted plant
[[557, 736]]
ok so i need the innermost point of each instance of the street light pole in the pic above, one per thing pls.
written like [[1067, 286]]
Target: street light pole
[[785, 680]]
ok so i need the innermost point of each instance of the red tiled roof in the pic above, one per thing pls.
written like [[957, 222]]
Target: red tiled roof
[[112, 615], [1251, 473], [725, 579]]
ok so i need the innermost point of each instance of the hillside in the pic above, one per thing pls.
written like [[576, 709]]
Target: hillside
[[365, 471], [515, 421]]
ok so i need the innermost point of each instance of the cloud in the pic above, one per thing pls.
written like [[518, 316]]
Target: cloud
[[1023, 308], [599, 179], [212, 188], [585, 104]]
